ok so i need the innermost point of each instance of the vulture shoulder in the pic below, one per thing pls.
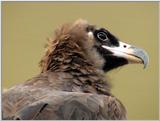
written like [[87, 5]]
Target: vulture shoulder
[[39, 98], [66, 105]]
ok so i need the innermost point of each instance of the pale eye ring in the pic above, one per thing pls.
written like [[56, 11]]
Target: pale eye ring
[[102, 36]]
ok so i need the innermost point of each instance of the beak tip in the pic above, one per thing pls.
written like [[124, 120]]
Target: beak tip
[[143, 55], [146, 61], [145, 67]]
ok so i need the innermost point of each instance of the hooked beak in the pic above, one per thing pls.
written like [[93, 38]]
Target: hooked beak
[[131, 53]]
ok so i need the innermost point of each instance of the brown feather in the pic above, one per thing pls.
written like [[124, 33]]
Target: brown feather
[[71, 84]]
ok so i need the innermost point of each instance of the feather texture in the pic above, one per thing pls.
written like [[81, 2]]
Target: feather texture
[[71, 85]]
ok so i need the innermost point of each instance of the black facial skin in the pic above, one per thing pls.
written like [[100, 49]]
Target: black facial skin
[[104, 37], [112, 40]]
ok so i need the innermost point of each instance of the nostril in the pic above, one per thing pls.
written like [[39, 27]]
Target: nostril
[[124, 46]]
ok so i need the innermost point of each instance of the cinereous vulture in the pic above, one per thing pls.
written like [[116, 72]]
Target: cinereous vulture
[[72, 83]]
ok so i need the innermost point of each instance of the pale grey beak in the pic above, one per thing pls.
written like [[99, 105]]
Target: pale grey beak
[[141, 54], [129, 52]]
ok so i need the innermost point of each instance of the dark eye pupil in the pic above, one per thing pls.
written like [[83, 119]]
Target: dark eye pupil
[[102, 36]]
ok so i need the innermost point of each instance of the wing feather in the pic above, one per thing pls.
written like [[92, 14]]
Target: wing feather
[[72, 106]]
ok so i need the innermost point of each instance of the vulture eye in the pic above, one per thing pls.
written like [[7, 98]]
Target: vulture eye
[[102, 36]]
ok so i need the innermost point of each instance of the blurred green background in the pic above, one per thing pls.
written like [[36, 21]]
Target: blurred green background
[[26, 25]]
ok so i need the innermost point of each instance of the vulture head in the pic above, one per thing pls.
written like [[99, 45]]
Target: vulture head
[[97, 46]]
